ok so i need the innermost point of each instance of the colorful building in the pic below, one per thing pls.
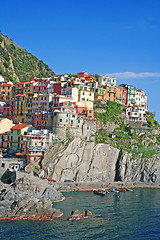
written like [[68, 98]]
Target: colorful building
[[86, 94], [100, 93], [107, 81], [136, 114], [110, 93], [40, 87], [7, 91], [43, 120], [20, 108], [85, 109], [35, 143], [16, 136], [71, 92], [82, 75], [20, 87]]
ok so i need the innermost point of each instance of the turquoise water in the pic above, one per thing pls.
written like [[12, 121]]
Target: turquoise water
[[128, 215]]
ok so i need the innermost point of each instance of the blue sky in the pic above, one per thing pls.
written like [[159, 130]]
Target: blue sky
[[117, 37]]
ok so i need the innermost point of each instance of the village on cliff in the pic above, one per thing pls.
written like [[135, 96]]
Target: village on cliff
[[36, 114]]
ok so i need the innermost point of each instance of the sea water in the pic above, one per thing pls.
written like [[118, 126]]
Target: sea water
[[125, 215]]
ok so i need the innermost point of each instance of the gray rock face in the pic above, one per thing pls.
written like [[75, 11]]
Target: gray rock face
[[83, 161], [87, 162], [140, 169], [28, 197]]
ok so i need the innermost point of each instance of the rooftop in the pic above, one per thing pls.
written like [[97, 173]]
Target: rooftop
[[20, 126]]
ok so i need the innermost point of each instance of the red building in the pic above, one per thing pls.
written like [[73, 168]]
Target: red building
[[57, 88], [82, 75], [124, 96]]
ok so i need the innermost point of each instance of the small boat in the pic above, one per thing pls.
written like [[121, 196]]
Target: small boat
[[128, 189], [114, 190], [99, 192], [120, 190]]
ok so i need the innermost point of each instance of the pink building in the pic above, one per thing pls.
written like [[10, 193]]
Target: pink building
[[35, 143], [84, 112], [60, 99], [40, 87], [8, 110], [66, 106], [43, 120]]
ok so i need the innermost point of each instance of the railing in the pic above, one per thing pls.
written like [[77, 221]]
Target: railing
[[12, 159]]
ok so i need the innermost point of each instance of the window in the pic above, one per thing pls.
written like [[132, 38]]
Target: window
[[60, 120], [73, 116], [78, 121], [18, 131]]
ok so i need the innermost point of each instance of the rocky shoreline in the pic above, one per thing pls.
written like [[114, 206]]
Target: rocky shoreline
[[29, 198], [72, 187]]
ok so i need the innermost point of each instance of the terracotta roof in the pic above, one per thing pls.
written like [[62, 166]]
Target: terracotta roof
[[69, 87], [20, 126], [6, 84], [21, 83]]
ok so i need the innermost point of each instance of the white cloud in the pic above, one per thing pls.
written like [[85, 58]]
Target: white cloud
[[128, 75]]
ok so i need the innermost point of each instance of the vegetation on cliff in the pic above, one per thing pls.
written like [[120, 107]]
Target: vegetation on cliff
[[135, 140], [16, 64]]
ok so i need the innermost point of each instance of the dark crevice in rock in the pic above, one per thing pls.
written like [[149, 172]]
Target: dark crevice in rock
[[117, 170]]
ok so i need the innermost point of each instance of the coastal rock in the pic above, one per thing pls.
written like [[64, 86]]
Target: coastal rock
[[82, 161], [79, 214], [86, 162], [29, 198]]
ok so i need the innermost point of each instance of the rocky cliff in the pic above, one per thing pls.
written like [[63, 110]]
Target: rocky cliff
[[28, 198], [86, 161]]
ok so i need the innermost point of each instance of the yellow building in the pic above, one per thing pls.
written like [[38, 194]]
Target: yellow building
[[29, 87], [85, 95], [20, 108], [28, 108], [100, 94], [7, 91]]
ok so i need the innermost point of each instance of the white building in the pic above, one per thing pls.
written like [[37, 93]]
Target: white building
[[136, 113], [107, 81], [71, 92]]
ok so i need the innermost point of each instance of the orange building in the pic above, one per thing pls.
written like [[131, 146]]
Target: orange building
[[110, 93], [119, 93]]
